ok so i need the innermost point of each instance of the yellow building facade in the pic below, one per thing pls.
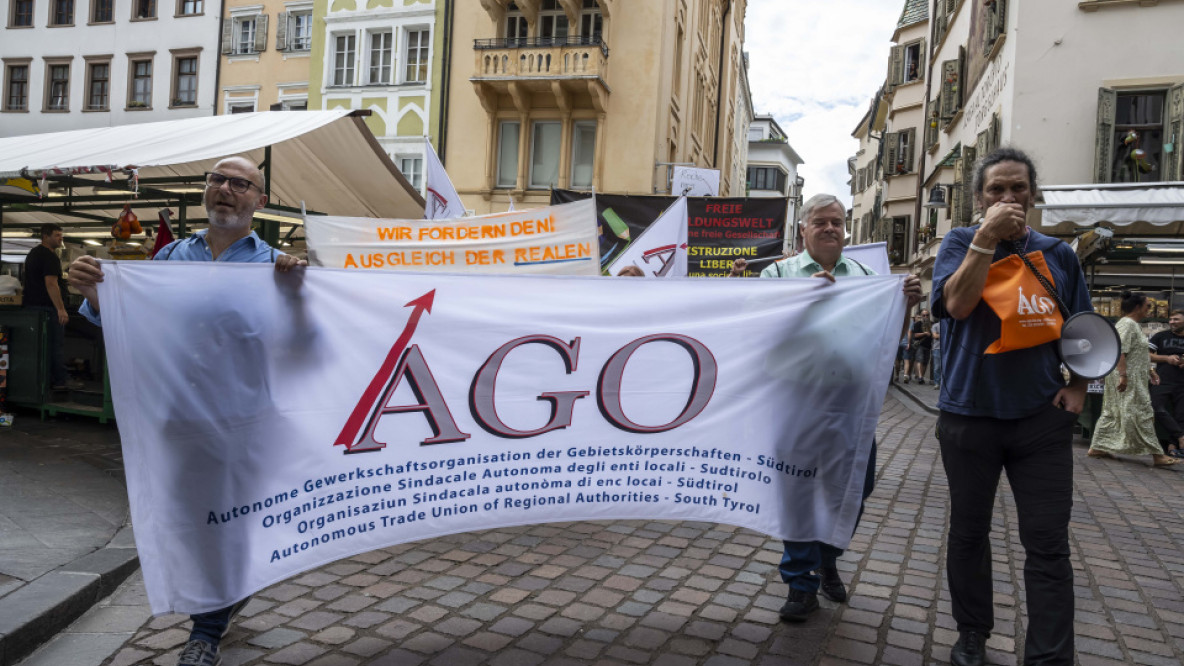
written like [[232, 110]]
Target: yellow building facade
[[603, 95], [266, 49]]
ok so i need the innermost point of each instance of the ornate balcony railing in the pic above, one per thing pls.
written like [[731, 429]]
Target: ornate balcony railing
[[539, 42], [540, 57]]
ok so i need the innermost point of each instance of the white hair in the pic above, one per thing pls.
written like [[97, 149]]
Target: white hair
[[821, 201]]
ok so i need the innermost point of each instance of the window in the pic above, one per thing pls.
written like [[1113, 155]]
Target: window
[[380, 58], [63, 12], [190, 7], [1137, 137], [102, 11], [412, 168], [897, 157], [755, 134], [16, 88], [98, 86], [140, 86], [295, 105], [298, 31], [242, 107], [766, 178], [515, 26], [507, 154], [143, 9], [22, 14], [552, 23], [905, 63], [57, 87], [544, 154], [244, 36], [416, 57], [185, 81], [343, 59], [591, 22], [583, 148], [950, 100]]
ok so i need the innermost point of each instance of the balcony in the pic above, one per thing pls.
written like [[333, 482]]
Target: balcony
[[540, 59]]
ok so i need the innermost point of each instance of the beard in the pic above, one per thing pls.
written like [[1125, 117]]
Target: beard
[[225, 220]]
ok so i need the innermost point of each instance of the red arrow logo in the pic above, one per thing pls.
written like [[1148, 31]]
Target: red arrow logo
[[349, 433]]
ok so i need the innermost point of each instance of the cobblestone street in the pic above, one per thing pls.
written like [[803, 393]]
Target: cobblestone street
[[678, 594]]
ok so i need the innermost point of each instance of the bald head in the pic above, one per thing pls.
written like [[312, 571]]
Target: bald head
[[230, 202], [244, 167]]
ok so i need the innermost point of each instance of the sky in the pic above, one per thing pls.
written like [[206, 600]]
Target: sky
[[814, 65]]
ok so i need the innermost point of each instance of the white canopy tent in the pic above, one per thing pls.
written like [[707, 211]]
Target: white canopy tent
[[329, 160]]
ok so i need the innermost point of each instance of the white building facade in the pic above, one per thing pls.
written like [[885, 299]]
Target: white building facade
[[74, 64], [773, 168], [378, 55]]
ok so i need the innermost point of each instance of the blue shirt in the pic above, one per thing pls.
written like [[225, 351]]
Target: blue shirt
[[249, 249], [1010, 385], [803, 265]]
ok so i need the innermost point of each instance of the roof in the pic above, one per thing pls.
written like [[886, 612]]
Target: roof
[[327, 161], [951, 157], [914, 11]]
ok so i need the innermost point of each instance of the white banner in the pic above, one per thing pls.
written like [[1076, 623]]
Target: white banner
[[290, 420], [660, 250], [872, 255], [556, 240]]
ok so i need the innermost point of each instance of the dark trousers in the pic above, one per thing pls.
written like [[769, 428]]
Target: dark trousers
[[1168, 402], [1036, 452], [802, 558], [57, 342]]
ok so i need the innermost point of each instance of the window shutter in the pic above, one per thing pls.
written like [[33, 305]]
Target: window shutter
[[996, 131], [227, 36], [949, 88], [891, 147], [1174, 161], [969, 155], [982, 142], [260, 33], [1000, 18], [956, 196], [896, 66], [922, 59], [960, 91], [951, 6], [281, 31], [939, 21], [1104, 140], [910, 149]]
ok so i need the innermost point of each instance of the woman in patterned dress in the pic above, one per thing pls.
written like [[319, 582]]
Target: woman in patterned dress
[[1127, 423]]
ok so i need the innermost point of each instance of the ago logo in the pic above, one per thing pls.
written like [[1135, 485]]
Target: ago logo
[[406, 363], [664, 255], [1035, 304]]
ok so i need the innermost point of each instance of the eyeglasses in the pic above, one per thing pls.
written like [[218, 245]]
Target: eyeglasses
[[237, 185]]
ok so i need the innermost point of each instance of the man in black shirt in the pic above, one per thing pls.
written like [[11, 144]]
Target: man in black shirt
[[1167, 351], [43, 291]]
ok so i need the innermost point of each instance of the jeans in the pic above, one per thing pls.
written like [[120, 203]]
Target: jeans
[[937, 366], [57, 341], [1036, 452], [212, 626], [802, 558]]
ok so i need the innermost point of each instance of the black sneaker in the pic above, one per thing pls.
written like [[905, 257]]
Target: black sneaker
[[832, 585], [199, 653], [906, 380], [970, 650], [799, 606]]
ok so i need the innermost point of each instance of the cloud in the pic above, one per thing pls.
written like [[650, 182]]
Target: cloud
[[814, 66]]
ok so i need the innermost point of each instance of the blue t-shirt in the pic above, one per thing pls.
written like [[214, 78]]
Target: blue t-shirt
[[1013, 384]]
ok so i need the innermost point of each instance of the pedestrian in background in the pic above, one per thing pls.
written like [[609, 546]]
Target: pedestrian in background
[[43, 292], [1127, 422]]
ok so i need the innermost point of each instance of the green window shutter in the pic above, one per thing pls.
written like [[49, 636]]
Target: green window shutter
[[1174, 163], [910, 149], [982, 142], [891, 148], [896, 66], [922, 58], [281, 31], [227, 36], [969, 155], [949, 89], [956, 196], [1104, 138], [960, 91], [260, 33]]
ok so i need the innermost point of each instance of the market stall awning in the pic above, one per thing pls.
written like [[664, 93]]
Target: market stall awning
[[1119, 205], [329, 160]]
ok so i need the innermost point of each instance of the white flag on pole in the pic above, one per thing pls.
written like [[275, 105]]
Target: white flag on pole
[[442, 201], [660, 250]]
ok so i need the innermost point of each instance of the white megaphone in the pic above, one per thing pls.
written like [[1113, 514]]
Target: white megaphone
[[1089, 345]]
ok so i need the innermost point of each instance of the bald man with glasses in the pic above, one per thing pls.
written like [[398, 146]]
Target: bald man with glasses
[[233, 192]]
